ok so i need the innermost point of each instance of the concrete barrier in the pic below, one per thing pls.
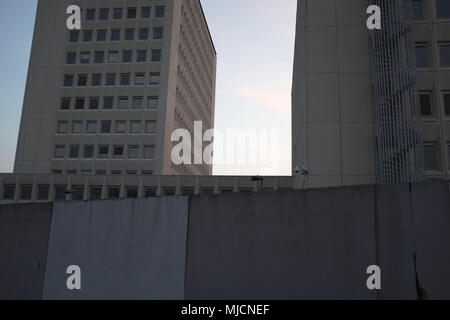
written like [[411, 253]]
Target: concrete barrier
[[126, 249], [24, 233]]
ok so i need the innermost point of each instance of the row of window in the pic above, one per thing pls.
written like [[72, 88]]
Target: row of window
[[431, 156], [120, 127], [111, 79], [442, 9], [129, 34], [426, 104], [128, 56], [103, 172], [123, 103], [103, 152], [422, 55], [118, 13]]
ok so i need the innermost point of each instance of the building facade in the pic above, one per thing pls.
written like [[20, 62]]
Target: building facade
[[351, 84], [104, 100]]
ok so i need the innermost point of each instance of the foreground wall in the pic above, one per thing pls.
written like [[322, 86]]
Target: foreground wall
[[313, 244]]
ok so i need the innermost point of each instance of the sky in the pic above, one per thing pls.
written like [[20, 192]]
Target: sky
[[254, 40]]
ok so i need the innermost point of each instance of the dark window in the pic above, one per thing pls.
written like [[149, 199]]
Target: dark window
[[159, 12], [430, 156], [25, 192], [156, 55], [141, 56], [60, 193], [101, 35], [96, 193], [127, 56], [65, 103], [143, 34], [43, 192], [118, 152], [77, 193], [82, 80], [88, 152], [111, 79], [99, 57], [71, 58], [157, 33], [93, 103], [125, 79], [74, 152], [74, 36], [417, 8], [115, 35], [425, 104], [90, 14], [150, 192], [117, 14], [96, 80], [421, 56], [129, 34], [106, 126], [104, 14], [132, 192], [443, 8], [68, 80], [444, 54], [131, 13], [447, 103], [114, 192], [103, 152], [145, 12], [108, 103], [79, 103], [87, 35], [85, 57]]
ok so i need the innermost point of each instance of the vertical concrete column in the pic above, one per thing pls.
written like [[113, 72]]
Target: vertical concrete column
[[141, 190], [275, 184], [51, 191], [104, 190], [87, 190], [123, 190], [159, 190], [216, 187], [69, 189], [236, 185], [17, 190], [197, 190], [34, 190], [178, 191]]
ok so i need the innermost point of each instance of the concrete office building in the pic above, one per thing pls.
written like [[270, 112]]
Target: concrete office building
[[372, 106], [105, 100]]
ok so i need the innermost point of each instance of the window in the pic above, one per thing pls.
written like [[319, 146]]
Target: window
[[115, 35], [25, 191], [123, 102], [154, 78], [129, 34], [141, 56], [96, 80], [116, 172], [156, 55], [65, 103], [103, 152], [77, 193], [108, 103], [430, 156], [87, 36], [444, 54], [421, 56], [9, 191], [63, 127], [417, 8], [446, 96], [138, 102], [74, 36], [145, 12], [153, 102], [111, 79], [91, 127], [125, 79], [94, 103], [77, 127], [132, 192], [149, 152], [71, 58], [143, 34], [139, 79], [82, 80], [117, 13], [60, 152], [90, 14], [133, 152], [159, 12], [88, 152], [157, 33], [60, 193], [118, 152], [79, 104], [136, 127], [101, 35], [425, 104], [68, 80], [442, 9], [127, 56], [113, 57], [43, 192], [104, 14], [99, 57], [74, 152], [121, 126], [113, 192], [85, 57], [131, 13], [96, 193], [106, 127], [150, 127]]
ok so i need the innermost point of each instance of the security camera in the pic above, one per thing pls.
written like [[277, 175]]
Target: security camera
[[301, 169]]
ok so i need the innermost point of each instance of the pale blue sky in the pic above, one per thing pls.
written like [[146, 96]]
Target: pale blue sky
[[254, 40]]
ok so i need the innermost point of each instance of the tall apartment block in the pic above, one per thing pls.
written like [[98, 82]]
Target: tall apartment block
[[372, 106], [104, 100]]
